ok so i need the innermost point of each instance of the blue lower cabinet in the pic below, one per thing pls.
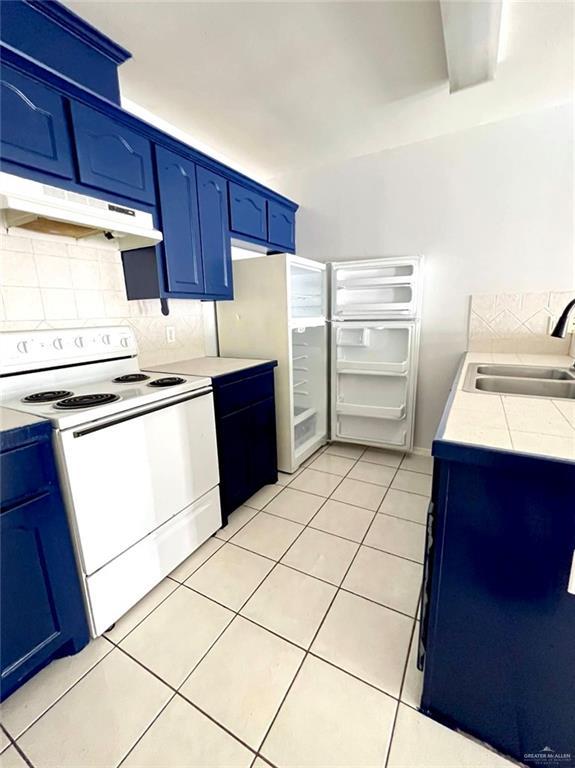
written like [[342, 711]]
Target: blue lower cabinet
[[42, 613], [180, 222], [111, 156], [248, 212], [498, 630], [246, 431], [33, 131], [281, 226], [214, 233]]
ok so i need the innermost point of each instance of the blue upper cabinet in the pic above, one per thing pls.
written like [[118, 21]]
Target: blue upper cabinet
[[281, 225], [248, 212], [50, 33], [216, 249], [111, 156], [180, 222], [33, 125]]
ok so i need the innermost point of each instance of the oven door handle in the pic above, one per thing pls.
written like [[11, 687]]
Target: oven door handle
[[142, 411]]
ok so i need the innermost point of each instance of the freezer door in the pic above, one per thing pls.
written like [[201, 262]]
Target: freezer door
[[374, 371], [375, 288]]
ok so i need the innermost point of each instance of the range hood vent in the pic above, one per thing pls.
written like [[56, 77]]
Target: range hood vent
[[42, 208]]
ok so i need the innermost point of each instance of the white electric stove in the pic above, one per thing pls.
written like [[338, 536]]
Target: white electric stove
[[136, 454]]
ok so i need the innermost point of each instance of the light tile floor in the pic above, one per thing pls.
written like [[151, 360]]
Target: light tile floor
[[289, 638]]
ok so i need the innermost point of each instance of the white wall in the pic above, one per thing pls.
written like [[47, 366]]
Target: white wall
[[490, 207]]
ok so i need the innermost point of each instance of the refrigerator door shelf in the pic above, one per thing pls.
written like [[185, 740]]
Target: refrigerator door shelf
[[367, 431], [375, 288], [395, 413], [375, 368], [373, 384]]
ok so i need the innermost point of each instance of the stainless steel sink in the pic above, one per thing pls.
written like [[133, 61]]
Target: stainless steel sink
[[526, 372], [521, 380]]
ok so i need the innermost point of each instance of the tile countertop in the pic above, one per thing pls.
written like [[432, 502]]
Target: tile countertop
[[529, 425], [208, 366]]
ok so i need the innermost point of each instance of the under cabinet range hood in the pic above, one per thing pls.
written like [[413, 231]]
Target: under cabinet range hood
[[42, 208]]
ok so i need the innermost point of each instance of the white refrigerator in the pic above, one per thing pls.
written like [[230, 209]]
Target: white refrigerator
[[364, 360], [375, 326], [279, 312]]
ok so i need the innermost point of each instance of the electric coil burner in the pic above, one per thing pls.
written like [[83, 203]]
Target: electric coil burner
[[86, 401], [130, 378], [48, 396], [167, 381]]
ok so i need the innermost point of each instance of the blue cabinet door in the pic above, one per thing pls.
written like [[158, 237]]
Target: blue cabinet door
[[111, 156], [180, 222], [500, 626], [33, 125], [41, 610], [281, 225], [248, 212], [214, 232]]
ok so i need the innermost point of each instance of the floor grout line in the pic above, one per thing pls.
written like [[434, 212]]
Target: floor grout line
[[321, 624], [307, 652], [17, 747]]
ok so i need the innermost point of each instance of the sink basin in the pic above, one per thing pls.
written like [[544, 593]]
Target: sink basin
[[527, 372], [521, 380], [529, 387]]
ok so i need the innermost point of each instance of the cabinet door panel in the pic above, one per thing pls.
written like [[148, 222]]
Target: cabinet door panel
[[234, 460], [264, 465], [33, 125], [281, 225], [41, 605], [112, 157], [180, 222], [248, 212], [216, 249]]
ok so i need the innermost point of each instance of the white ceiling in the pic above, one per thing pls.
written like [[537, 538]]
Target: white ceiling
[[276, 86]]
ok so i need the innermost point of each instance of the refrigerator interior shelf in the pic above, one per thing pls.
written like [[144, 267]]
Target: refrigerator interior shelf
[[299, 324], [373, 282], [373, 368], [394, 413], [301, 414], [376, 310]]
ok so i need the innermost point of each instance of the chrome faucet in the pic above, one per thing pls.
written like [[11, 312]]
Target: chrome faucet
[[560, 330]]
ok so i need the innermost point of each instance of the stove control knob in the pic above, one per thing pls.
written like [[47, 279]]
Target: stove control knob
[[106, 338], [79, 342], [22, 347], [57, 343]]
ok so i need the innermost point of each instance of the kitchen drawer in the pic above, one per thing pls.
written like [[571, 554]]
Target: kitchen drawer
[[239, 394], [118, 586], [24, 472]]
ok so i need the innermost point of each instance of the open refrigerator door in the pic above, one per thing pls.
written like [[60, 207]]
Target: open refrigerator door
[[374, 351]]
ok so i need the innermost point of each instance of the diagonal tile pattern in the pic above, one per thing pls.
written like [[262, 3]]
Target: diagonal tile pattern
[[287, 639]]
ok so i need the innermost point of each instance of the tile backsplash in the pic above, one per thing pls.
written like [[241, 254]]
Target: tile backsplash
[[517, 322], [58, 282]]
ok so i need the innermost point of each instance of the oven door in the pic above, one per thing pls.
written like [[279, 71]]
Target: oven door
[[128, 474]]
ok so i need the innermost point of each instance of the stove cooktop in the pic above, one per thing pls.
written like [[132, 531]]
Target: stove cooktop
[[84, 401]]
